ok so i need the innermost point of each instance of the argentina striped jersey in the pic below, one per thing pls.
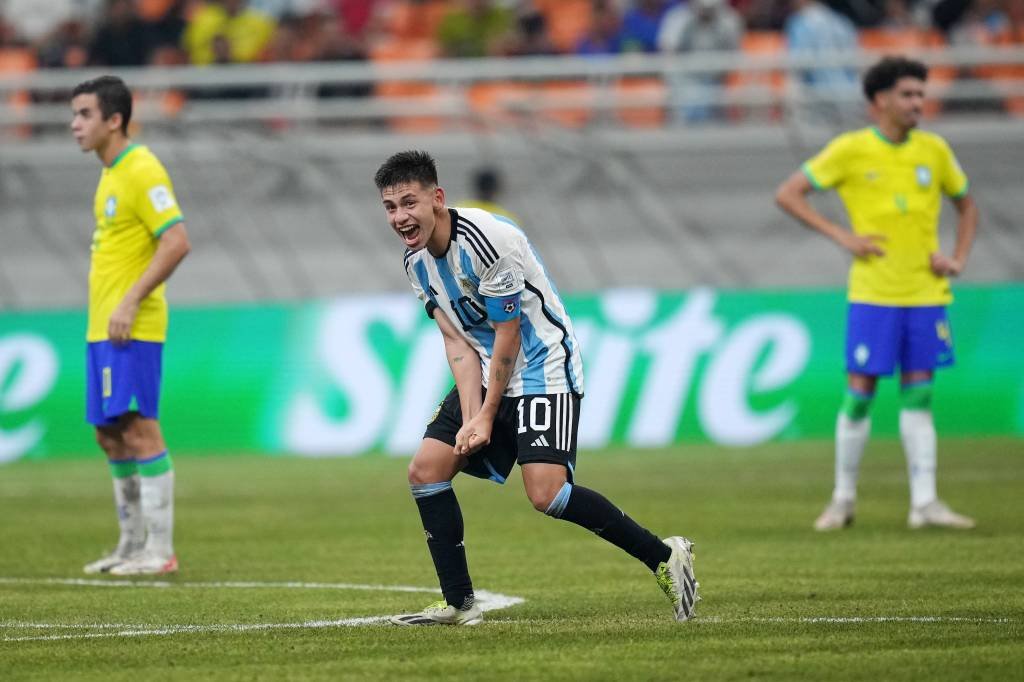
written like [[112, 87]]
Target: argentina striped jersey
[[489, 256]]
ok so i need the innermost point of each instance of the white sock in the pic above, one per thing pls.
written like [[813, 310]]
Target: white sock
[[917, 430], [851, 436], [158, 510], [129, 514]]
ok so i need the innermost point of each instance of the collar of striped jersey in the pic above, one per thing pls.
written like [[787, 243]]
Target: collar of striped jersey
[[454, 217]]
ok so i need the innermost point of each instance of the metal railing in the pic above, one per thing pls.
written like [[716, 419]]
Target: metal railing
[[446, 90]]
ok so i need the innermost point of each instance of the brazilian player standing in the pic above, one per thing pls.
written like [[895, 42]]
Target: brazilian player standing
[[139, 240], [891, 178]]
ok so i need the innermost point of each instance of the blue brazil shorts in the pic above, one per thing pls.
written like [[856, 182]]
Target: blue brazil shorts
[[879, 338], [122, 378]]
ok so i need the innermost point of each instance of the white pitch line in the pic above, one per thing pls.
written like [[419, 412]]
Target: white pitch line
[[486, 600], [86, 582]]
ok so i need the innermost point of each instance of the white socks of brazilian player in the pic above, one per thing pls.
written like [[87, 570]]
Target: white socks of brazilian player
[[917, 431], [129, 509], [853, 427], [157, 479]]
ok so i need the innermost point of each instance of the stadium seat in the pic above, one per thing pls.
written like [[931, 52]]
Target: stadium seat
[[18, 60], [570, 104], [766, 83], [567, 20], [649, 112], [417, 20], [494, 102], [399, 50]]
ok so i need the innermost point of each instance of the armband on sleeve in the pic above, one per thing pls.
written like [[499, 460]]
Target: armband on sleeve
[[503, 308]]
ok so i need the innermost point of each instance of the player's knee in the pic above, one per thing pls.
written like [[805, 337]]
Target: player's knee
[[541, 496], [110, 444], [421, 473]]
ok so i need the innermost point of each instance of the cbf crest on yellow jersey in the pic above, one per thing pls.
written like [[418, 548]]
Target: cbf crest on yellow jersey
[[134, 205], [894, 190]]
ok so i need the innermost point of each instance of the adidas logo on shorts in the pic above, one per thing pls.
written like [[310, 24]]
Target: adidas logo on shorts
[[541, 442]]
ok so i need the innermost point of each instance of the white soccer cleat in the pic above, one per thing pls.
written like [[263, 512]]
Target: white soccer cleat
[[147, 564], [937, 513], [440, 613], [107, 563], [675, 578], [837, 515]]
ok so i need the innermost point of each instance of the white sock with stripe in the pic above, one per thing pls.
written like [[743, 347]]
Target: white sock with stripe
[[157, 476]]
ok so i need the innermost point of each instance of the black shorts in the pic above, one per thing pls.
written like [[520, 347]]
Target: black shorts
[[529, 428]]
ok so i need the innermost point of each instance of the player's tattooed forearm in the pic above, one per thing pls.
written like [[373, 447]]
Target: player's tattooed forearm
[[458, 358]]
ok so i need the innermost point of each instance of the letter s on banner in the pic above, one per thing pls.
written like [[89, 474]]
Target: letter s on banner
[[725, 413], [21, 390]]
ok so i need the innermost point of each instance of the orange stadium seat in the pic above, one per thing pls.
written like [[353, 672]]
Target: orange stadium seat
[[417, 20], [1005, 77], [18, 60], [569, 103], [398, 50], [651, 114], [494, 102], [760, 44], [568, 21]]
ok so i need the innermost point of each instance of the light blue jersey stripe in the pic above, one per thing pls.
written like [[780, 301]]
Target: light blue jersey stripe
[[536, 353], [421, 274], [483, 333]]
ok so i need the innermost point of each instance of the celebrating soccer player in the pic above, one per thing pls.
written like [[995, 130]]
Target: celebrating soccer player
[[140, 238], [505, 329], [891, 178]]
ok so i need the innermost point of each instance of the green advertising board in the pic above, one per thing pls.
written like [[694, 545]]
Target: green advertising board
[[363, 374]]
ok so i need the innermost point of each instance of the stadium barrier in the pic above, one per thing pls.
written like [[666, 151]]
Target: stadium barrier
[[613, 91], [355, 375]]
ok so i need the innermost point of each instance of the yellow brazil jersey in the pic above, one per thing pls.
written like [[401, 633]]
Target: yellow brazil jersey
[[134, 205], [894, 190]]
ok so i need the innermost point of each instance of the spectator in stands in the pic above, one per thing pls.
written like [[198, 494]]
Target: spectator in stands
[[530, 36], [982, 24], [33, 21], [246, 31], [896, 16], [165, 20], [641, 23], [65, 47], [604, 36], [121, 39], [700, 26], [815, 31], [476, 28], [1015, 20]]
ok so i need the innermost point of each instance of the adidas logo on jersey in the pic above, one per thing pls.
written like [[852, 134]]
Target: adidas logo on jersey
[[541, 442]]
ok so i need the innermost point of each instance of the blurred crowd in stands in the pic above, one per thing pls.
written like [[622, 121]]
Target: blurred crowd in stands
[[116, 33]]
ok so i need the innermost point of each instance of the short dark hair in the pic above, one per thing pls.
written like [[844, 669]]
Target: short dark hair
[[403, 167], [113, 96], [884, 75]]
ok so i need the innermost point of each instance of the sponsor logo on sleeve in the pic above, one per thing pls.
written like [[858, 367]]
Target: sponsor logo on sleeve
[[161, 198], [506, 280]]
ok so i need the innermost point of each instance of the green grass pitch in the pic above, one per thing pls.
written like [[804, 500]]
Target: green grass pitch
[[780, 602]]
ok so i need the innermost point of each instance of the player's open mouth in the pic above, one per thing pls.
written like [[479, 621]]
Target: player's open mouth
[[410, 234]]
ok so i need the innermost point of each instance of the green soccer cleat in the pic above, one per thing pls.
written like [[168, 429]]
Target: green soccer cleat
[[675, 578], [440, 613]]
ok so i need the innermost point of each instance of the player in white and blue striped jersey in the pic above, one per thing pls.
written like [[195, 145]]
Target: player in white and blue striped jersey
[[518, 385]]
